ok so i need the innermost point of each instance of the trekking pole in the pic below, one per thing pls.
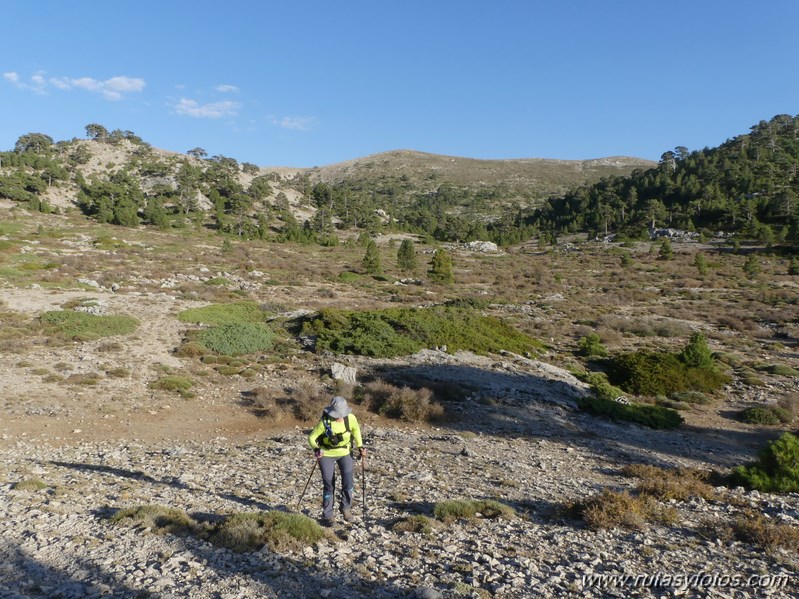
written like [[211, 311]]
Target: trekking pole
[[306, 485], [363, 485]]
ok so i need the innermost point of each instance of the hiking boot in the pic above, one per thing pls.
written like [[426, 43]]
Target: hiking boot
[[328, 522], [347, 515]]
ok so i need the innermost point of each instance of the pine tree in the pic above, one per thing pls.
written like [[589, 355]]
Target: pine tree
[[697, 353], [441, 268], [666, 251], [406, 256], [751, 266], [371, 260], [700, 263]]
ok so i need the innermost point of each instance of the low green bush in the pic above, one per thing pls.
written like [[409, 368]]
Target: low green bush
[[782, 370], [277, 530], [690, 397], [173, 382], [591, 346], [775, 471], [767, 415], [222, 314], [237, 339], [657, 417], [241, 532], [158, 518], [661, 373], [348, 276], [30, 485], [81, 326], [402, 331], [218, 281], [458, 509]]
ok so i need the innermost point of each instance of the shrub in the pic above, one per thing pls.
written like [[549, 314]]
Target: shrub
[[766, 415], [173, 382], [782, 370], [191, 349], [419, 524], [690, 397], [657, 417], [348, 276], [237, 339], [221, 314], [591, 346], [661, 373], [81, 326], [402, 331], [217, 281], [250, 531], [666, 484], [31, 485], [456, 509], [753, 527], [612, 509], [777, 468], [404, 403], [158, 518]]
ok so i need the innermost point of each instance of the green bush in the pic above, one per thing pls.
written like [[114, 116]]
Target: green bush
[[402, 331], [217, 281], [240, 532], [657, 417], [30, 485], [175, 383], [457, 509], [220, 314], [277, 530], [591, 346], [348, 276], [158, 518], [237, 339], [782, 370], [767, 415], [80, 326], [777, 468], [661, 373]]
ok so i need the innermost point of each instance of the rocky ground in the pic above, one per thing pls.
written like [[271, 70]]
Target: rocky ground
[[535, 454]]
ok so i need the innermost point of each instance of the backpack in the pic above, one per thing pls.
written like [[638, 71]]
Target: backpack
[[331, 440]]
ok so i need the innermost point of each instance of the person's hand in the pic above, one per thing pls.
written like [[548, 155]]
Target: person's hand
[[318, 453], [362, 452]]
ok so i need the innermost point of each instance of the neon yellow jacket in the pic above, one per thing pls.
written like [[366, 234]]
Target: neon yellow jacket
[[338, 427]]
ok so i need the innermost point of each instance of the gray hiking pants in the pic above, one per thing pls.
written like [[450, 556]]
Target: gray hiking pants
[[328, 467]]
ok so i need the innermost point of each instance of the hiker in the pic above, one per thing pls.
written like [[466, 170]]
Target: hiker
[[332, 441]]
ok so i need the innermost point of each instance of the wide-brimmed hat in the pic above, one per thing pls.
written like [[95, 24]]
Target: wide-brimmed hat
[[338, 408]]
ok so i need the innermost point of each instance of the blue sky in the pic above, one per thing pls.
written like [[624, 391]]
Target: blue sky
[[309, 83]]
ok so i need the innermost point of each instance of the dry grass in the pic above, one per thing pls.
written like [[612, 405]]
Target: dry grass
[[752, 527], [614, 509], [678, 484]]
